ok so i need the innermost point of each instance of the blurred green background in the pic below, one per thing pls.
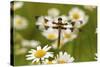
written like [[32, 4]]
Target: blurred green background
[[83, 48]]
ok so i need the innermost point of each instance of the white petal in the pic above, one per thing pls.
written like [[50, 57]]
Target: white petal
[[32, 51], [65, 53], [70, 60], [29, 58], [45, 47], [60, 53], [29, 55], [48, 55], [39, 48], [43, 58], [34, 60], [37, 60]]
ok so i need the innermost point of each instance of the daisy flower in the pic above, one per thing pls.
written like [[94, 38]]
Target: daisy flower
[[39, 54], [91, 8], [53, 12], [77, 17], [64, 58], [20, 22], [30, 43], [50, 34], [69, 37], [17, 5], [49, 61]]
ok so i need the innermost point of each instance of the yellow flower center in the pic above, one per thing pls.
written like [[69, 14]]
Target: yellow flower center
[[76, 16], [51, 36], [61, 61], [67, 35], [18, 22], [49, 62], [40, 53]]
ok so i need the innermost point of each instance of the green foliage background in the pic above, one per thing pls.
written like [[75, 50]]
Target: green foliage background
[[83, 48]]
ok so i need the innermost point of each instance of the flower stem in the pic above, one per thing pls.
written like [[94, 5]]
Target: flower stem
[[40, 61]]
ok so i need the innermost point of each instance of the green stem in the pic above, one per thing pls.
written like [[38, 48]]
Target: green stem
[[40, 61]]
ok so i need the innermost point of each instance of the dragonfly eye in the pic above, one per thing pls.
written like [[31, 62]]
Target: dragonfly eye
[[59, 19]]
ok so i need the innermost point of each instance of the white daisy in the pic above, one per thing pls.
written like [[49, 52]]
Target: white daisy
[[53, 12], [91, 8], [17, 5], [49, 61], [69, 36], [39, 54], [78, 24], [64, 58], [30, 43], [78, 16], [50, 34], [20, 22]]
